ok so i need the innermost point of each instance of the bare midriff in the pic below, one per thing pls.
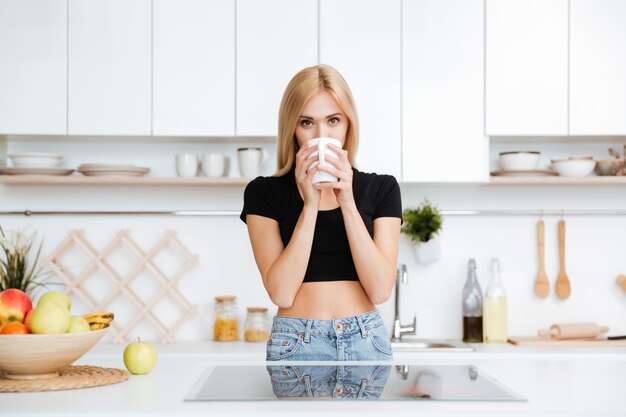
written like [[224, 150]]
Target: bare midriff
[[329, 300]]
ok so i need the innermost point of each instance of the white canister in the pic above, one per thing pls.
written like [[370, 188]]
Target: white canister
[[186, 165], [250, 161], [213, 165]]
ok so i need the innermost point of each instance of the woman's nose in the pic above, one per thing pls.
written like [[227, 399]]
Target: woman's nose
[[320, 131]]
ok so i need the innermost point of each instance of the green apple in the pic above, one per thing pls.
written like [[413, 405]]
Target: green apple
[[140, 357], [78, 324], [55, 296], [49, 318]]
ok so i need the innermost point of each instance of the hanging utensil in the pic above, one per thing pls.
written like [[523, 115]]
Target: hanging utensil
[[563, 289], [542, 286]]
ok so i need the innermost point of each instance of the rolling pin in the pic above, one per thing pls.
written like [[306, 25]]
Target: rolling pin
[[621, 281], [574, 331]]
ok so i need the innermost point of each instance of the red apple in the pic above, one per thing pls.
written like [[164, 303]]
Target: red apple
[[14, 305]]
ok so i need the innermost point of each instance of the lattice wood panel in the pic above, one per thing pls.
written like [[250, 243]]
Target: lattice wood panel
[[75, 284]]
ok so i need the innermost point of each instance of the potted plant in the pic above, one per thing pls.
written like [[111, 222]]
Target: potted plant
[[422, 226], [19, 262]]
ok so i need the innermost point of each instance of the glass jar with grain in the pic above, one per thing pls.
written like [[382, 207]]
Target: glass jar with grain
[[226, 325], [257, 325]]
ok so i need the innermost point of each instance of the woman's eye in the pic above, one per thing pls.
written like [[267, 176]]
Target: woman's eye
[[305, 122], [334, 120]]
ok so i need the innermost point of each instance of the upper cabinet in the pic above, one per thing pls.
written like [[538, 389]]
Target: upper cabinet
[[275, 39], [598, 67], [33, 67], [443, 105], [194, 67], [527, 67], [110, 67], [362, 39]]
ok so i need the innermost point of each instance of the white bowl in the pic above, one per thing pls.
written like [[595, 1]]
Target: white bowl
[[574, 167], [605, 166], [36, 160], [519, 161]]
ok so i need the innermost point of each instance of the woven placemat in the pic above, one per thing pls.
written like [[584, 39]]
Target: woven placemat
[[72, 377]]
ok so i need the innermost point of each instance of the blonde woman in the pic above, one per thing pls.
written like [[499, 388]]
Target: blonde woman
[[327, 252]]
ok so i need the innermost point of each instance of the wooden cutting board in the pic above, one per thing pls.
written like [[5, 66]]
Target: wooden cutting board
[[548, 341]]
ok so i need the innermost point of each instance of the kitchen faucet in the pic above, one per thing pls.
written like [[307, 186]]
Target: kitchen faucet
[[402, 276]]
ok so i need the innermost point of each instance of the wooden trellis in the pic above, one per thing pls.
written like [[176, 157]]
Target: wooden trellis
[[75, 284]]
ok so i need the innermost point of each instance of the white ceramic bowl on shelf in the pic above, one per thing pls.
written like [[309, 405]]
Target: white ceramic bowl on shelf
[[36, 160], [574, 167], [519, 160]]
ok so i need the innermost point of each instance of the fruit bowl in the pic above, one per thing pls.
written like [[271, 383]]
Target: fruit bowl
[[37, 356]]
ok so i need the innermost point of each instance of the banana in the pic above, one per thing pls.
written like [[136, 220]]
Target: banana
[[99, 317], [98, 326]]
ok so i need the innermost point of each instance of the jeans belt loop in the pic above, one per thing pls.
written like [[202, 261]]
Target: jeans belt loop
[[307, 332], [359, 319]]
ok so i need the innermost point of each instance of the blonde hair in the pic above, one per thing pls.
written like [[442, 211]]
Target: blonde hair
[[304, 85]]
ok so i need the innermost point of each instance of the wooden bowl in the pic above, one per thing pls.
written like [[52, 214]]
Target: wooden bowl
[[36, 356]]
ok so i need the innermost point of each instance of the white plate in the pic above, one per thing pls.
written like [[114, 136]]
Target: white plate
[[106, 166], [114, 172], [35, 171], [529, 173]]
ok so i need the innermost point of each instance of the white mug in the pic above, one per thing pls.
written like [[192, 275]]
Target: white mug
[[250, 161], [213, 164], [323, 150], [186, 165]]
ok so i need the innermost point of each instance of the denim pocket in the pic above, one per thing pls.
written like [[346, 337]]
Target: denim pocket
[[282, 345], [380, 339]]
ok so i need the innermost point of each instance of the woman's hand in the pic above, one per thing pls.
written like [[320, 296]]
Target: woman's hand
[[340, 168], [304, 180]]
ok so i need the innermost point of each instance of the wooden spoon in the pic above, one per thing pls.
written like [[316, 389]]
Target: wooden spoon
[[542, 286], [621, 281], [563, 288]]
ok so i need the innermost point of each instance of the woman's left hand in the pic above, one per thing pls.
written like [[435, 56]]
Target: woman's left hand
[[340, 168]]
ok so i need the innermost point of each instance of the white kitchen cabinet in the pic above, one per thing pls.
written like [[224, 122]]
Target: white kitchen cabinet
[[194, 68], [109, 67], [275, 39], [33, 67], [362, 39], [527, 67], [598, 67], [443, 105]]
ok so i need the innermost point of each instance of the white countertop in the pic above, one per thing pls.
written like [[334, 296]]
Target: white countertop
[[556, 381]]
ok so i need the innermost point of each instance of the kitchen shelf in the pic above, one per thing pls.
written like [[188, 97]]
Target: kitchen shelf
[[556, 180], [143, 181]]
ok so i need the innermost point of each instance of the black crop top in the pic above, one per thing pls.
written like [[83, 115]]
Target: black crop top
[[278, 198]]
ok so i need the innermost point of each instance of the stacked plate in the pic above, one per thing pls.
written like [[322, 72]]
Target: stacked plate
[[112, 170], [35, 163]]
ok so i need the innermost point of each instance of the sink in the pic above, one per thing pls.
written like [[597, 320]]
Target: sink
[[413, 344]]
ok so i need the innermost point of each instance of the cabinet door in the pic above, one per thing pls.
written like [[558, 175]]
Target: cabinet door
[[443, 111], [109, 67], [598, 67], [275, 39], [33, 67], [527, 68], [194, 67], [361, 39]]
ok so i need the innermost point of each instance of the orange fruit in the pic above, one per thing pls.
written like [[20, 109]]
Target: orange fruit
[[14, 327]]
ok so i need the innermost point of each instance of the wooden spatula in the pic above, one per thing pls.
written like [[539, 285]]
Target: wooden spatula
[[542, 286], [563, 289]]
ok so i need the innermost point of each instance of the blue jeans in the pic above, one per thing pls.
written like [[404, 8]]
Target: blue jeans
[[358, 338], [347, 382]]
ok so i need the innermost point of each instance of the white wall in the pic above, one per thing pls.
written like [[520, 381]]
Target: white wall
[[594, 245]]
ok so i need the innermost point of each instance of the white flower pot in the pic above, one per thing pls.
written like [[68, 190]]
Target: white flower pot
[[428, 252]]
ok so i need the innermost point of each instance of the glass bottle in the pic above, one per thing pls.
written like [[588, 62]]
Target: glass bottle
[[472, 306], [257, 325], [495, 309], [226, 325]]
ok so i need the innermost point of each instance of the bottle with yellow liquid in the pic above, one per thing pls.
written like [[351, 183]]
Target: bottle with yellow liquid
[[494, 307]]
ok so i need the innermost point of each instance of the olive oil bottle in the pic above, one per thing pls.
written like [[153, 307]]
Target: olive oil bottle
[[472, 306], [495, 309]]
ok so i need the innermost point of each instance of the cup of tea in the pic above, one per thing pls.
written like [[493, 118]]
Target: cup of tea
[[250, 161], [323, 151]]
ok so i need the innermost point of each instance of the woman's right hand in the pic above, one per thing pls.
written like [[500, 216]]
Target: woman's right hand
[[310, 194]]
